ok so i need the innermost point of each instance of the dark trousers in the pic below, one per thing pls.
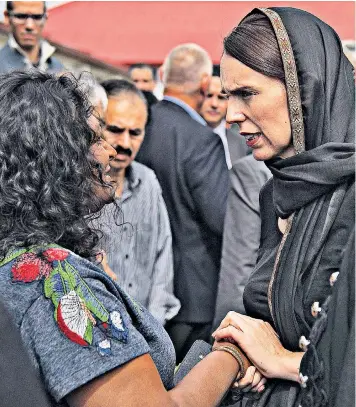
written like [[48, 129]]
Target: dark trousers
[[184, 334]]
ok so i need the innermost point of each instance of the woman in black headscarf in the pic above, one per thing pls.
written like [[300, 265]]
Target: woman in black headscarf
[[291, 90]]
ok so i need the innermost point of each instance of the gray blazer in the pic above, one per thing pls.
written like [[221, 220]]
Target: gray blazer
[[189, 162], [241, 237]]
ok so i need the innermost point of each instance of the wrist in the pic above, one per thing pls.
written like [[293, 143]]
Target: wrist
[[237, 354], [290, 366]]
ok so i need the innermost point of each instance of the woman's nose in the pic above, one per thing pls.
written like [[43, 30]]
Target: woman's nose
[[234, 113]]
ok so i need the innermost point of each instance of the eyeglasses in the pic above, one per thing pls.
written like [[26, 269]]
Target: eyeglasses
[[20, 18]]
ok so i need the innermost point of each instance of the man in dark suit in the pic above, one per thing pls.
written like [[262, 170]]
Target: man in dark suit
[[189, 161], [213, 111]]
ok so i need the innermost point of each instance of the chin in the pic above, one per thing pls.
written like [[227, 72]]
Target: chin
[[27, 46], [261, 155], [118, 165]]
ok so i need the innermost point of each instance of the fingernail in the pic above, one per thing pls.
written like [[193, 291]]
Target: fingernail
[[261, 389]]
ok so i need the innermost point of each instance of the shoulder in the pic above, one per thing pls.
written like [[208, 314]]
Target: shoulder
[[247, 170], [146, 175], [56, 63], [5, 50], [9, 59], [178, 119]]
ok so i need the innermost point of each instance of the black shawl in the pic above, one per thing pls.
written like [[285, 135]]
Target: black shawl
[[311, 189]]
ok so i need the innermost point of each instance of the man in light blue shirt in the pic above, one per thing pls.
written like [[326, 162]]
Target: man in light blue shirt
[[139, 243]]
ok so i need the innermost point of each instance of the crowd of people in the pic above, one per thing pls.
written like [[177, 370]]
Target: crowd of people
[[135, 223]]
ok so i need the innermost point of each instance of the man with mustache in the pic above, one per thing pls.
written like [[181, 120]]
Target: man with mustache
[[138, 244], [25, 48]]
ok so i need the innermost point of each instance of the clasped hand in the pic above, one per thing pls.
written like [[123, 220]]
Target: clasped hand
[[261, 345]]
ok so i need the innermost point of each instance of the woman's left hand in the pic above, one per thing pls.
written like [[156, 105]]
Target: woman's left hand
[[261, 345], [252, 381]]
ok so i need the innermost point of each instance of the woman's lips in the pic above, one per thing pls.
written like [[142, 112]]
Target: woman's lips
[[251, 138]]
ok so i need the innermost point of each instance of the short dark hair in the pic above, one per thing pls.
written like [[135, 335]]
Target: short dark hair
[[47, 173], [254, 43], [10, 6], [143, 66], [116, 87]]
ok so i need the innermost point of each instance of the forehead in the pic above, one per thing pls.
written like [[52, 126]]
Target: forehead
[[235, 74], [215, 85], [142, 73], [28, 7], [126, 108]]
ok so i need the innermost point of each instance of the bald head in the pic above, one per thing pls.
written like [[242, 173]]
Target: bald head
[[185, 66]]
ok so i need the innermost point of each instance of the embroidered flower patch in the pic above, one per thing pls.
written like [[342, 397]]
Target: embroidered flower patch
[[28, 267], [80, 316]]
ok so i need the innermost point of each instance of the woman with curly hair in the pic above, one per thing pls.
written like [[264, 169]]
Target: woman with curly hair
[[92, 344]]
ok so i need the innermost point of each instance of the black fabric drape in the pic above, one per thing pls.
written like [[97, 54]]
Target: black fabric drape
[[329, 362], [315, 188]]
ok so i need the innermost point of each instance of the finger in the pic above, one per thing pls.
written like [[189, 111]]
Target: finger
[[261, 383], [256, 379], [223, 324], [245, 382], [99, 256], [109, 272], [239, 321], [228, 333], [228, 320], [261, 388]]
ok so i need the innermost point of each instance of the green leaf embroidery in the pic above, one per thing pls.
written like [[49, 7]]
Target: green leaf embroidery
[[85, 293]]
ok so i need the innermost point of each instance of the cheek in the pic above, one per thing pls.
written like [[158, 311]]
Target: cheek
[[223, 107], [109, 137], [100, 154], [135, 145]]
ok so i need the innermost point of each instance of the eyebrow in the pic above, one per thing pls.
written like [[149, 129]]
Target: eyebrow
[[115, 129], [238, 90]]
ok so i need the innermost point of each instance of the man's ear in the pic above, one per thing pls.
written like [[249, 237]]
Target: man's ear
[[160, 73], [6, 18], [205, 83]]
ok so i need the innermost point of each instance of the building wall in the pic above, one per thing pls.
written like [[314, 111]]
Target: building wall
[[77, 65]]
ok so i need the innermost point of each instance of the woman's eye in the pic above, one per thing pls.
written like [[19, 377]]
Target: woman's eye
[[244, 94]]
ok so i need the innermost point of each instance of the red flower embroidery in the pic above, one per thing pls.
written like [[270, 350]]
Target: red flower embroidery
[[55, 254], [29, 268]]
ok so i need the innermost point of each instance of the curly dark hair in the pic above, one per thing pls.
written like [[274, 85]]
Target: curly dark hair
[[47, 173]]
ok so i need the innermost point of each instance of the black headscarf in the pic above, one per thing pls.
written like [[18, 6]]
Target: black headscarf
[[310, 188], [327, 94]]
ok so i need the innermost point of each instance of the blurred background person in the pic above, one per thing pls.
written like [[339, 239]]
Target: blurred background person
[[189, 162], [25, 47], [95, 93], [242, 232], [143, 75], [138, 246], [213, 111]]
